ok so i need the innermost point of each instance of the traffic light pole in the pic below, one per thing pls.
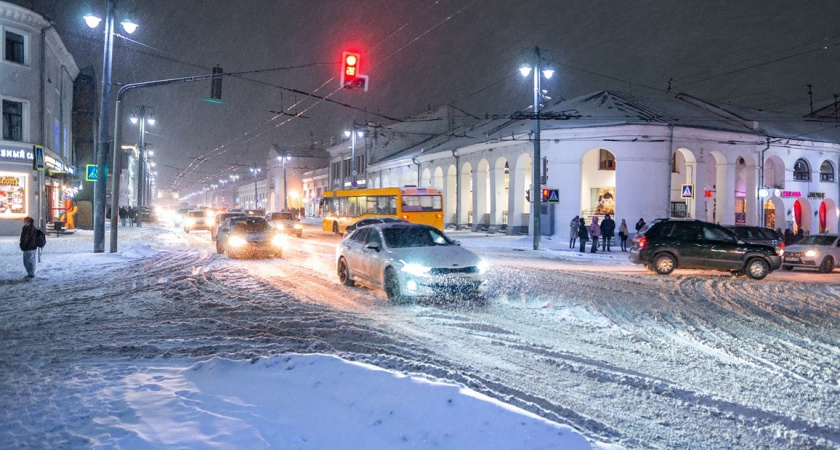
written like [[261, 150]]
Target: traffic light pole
[[536, 162]]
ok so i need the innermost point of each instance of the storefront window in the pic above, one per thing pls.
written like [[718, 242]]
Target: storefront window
[[13, 195], [607, 160]]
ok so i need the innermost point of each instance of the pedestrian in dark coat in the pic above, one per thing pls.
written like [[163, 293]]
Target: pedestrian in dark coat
[[582, 234], [607, 232], [29, 244], [788, 236], [573, 231], [595, 233], [639, 225], [123, 215]]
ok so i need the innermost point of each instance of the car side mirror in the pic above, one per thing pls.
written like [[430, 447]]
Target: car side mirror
[[373, 246]]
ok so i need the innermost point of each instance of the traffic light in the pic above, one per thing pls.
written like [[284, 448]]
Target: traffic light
[[545, 194], [349, 67], [216, 84]]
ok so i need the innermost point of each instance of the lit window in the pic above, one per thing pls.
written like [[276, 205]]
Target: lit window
[[801, 171], [826, 171], [607, 160]]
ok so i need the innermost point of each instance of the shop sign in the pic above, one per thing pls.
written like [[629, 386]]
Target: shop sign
[[816, 195], [13, 195], [19, 154], [790, 194]]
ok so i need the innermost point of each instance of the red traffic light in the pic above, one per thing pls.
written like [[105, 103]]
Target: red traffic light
[[349, 67]]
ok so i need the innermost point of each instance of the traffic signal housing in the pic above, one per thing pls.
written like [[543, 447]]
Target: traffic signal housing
[[349, 67], [216, 83]]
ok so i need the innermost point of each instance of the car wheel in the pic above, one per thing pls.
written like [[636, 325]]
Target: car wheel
[[757, 268], [392, 285], [335, 227], [827, 265], [344, 273], [664, 264], [788, 268]]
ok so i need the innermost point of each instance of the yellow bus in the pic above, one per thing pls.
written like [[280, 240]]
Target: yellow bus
[[414, 204]]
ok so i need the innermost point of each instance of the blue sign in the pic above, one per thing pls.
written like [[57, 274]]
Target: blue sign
[[91, 172], [39, 157], [553, 195], [687, 191]]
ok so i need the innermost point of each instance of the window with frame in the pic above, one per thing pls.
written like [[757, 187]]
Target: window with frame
[[607, 160], [801, 171], [826, 171], [14, 47], [12, 120]]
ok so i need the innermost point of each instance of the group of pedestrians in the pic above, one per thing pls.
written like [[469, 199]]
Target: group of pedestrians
[[129, 215], [602, 233]]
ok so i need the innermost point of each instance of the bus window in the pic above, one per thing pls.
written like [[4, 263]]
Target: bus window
[[422, 203]]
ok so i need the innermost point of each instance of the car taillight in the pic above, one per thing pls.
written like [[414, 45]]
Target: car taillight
[[642, 242]]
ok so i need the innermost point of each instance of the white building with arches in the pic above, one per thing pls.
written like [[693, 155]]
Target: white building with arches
[[611, 152]]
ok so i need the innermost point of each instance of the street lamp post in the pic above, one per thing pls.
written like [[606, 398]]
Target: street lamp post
[[101, 143], [255, 171], [141, 171], [536, 182]]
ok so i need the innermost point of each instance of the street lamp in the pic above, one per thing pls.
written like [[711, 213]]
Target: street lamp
[[255, 171], [536, 181], [101, 142], [352, 134], [141, 120], [284, 160]]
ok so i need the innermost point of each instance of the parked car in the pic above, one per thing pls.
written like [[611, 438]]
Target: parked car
[[759, 235], [817, 251], [249, 236], [219, 218], [287, 222], [666, 244], [197, 219], [148, 214], [371, 221], [408, 260]]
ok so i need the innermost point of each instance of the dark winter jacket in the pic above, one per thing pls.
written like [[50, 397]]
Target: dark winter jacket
[[583, 231], [608, 228], [29, 237]]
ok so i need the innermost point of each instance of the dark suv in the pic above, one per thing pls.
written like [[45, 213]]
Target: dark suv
[[665, 244]]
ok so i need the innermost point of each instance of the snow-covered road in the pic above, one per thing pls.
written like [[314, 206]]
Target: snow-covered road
[[693, 360]]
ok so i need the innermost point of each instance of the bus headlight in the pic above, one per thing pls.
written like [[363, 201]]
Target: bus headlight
[[236, 241]]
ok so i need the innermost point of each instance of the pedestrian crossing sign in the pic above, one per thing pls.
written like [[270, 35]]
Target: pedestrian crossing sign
[[551, 195], [91, 172], [687, 191]]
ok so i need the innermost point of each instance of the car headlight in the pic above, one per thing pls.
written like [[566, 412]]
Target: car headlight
[[483, 267], [812, 253], [278, 240], [416, 269], [298, 226], [279, 226], [189, 222], [236, 241]]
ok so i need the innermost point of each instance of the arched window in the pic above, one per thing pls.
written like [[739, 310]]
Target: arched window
[[801, 171], [607, 160], [826, 171]]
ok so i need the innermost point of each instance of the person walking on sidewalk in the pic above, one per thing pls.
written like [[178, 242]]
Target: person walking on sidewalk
[[607, 232], [595, 233], [582, 234], [573, 231], [622, 235], [31, 239]]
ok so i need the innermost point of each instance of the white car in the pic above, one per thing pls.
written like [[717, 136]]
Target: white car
[[817, 251], [409, 260]]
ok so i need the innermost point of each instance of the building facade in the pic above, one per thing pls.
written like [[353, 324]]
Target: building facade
[[36, 93]]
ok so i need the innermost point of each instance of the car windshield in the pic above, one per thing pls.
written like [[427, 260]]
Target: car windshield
[[196, 214], [818, 240], [251, 226], [398, 237], [282, 216]]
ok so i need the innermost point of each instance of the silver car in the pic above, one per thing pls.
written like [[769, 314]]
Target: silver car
[[409, 260], [818, 251], [248, 236]]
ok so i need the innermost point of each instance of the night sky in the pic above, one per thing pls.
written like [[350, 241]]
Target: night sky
[[425, 53]]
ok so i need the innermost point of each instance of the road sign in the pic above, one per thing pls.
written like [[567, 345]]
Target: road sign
[[39, 157], [687, 191], [91, 172], [553, 196]]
